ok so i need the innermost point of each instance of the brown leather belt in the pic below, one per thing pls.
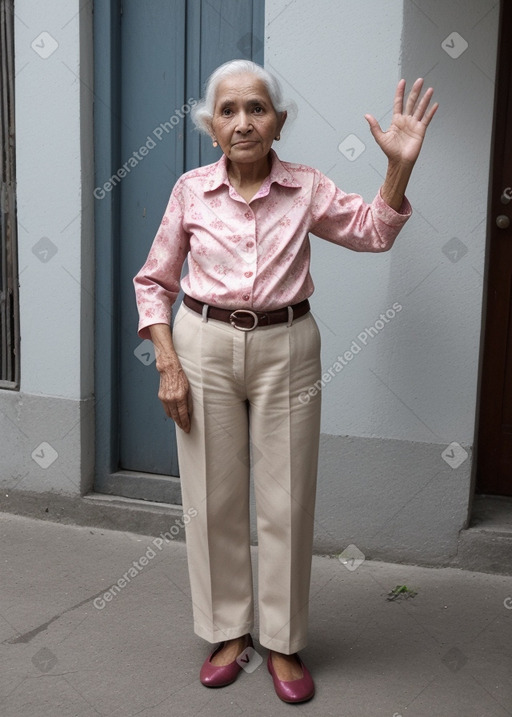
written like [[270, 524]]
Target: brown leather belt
[[247, 319]]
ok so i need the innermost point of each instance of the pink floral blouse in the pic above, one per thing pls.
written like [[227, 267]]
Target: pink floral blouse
[[254, 255]]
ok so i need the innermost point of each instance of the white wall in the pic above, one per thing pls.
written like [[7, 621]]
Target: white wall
[[54, 171], [47, 427], [417, 379]]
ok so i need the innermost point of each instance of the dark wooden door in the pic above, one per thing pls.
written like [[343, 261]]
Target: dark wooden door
[[494, 447]]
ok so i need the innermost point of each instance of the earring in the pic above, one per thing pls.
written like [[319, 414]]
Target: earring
[[278, 138], [215, 143]]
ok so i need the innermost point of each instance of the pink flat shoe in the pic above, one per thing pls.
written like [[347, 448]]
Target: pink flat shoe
[[299, 690], [220, 676]]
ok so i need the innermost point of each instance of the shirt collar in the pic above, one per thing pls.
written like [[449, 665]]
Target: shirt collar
[[278, 173]]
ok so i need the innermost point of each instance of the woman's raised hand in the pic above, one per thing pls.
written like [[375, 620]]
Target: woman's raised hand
[[402, 142]]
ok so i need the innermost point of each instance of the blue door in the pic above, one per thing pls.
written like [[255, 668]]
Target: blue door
[[152, 58]]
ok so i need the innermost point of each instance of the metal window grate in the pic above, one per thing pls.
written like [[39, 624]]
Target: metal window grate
[[9, 311]]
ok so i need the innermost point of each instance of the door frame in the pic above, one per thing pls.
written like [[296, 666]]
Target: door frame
[[503, 71], [108, 479]]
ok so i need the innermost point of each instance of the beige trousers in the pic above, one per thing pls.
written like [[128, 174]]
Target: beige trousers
[[246, 412]]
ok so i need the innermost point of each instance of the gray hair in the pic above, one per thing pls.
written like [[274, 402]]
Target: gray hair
[[202, 112]]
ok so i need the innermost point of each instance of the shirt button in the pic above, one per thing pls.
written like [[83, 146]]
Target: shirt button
[[248, 215], [245, 297], [248, 274], [250, 244]]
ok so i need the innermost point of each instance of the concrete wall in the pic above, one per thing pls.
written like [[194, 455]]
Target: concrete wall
[[410, 390], [46, 428]]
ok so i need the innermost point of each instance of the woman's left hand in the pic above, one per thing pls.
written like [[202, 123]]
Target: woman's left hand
[[402, 142]]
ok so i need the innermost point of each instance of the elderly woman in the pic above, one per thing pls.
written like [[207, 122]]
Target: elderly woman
[[245, 346]]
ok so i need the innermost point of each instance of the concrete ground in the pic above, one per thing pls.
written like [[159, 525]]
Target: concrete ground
[[446, 651]]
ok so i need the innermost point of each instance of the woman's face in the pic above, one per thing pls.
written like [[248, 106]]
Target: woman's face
[[244, 120]]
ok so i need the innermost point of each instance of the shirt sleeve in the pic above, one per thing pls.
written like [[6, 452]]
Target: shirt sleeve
[[157, 284], [347, 220]]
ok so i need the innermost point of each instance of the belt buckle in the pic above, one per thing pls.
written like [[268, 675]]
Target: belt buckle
[[232, 319]]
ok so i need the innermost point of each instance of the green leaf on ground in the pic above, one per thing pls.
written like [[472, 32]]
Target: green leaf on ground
[[401, 592]]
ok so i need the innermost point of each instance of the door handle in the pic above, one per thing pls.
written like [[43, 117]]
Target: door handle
[[502, 221]]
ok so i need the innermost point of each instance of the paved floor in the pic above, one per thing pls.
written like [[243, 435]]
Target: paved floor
[[447, 651]]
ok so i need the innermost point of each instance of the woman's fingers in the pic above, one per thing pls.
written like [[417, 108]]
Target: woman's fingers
[[416, 105], [420, 113], [179, 412], [413, 96], [430, 112], [183, 417], [398, 103], [375, 127], [174, 393]]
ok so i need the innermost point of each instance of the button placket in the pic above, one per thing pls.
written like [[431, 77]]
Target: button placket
[[248, 252]]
